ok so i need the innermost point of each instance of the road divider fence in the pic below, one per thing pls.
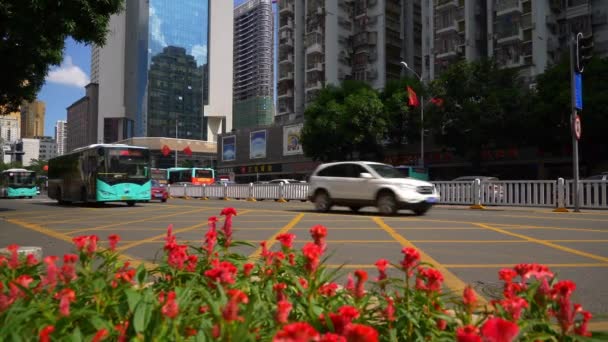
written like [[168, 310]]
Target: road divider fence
[[523, 193]]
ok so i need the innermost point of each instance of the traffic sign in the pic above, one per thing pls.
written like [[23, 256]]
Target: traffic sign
[[577, 127], [578, 90]]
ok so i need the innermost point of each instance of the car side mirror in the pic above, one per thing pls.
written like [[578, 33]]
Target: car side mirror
[[365, 175]]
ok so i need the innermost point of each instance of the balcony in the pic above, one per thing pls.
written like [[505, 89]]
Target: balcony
[[509, 36], [371, 74], [285, 34], [286, 7], [444, 4], [313, 85], [450, 27], [286, 42], [286, 59], [508, 6], [286, 25], [578, 8], [285, 76], [314, 67], [285, 94], [446, 54], [314, 48], [515, 62]]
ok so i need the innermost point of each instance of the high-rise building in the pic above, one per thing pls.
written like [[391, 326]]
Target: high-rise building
[[10, 128], [161, 69], [61, 136], [47, 149], [253, 64], [323, 42], [83, 119], [32, 119], [523, 34], [25, 150]]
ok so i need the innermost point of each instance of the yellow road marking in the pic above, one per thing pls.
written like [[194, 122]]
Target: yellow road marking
[[556, 218], [545, 243], [523, 227], [101, 215], [271, 241], [49, 232], [80, 231], [598, 326], [511, 265], [451, 281], [156, 237]]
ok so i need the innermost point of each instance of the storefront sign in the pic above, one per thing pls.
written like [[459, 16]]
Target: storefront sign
[[263, 168], [292, 144], [257, 144]]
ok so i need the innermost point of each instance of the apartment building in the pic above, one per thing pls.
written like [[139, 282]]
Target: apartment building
[[10, 128], [253, 64], [32, 119], [523, 34], [61, 136], [47, 148], [323, 42]]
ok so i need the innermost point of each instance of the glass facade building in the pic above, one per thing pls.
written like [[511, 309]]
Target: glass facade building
[[177, 82]]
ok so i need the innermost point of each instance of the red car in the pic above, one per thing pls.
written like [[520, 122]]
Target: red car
[[159, 191]]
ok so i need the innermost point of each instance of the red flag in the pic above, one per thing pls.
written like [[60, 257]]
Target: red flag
[[165, 150], [188, 151], [437, 101], [412, 98]]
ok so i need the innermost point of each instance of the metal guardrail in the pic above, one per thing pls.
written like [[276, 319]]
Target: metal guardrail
[[544, 193]]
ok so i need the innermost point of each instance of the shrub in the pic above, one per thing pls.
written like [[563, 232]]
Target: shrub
[[207, 292]]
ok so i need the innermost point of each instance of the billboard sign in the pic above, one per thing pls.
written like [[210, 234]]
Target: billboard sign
[[257, 144], [229, 148], [291, 140]]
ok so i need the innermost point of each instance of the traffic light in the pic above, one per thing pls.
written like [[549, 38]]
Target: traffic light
[[584, 50]]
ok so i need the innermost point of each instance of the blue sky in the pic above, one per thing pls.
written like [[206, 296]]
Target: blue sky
[[65, 83]]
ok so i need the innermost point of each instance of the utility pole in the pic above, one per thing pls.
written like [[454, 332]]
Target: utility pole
[[175, 140], [572, 118]]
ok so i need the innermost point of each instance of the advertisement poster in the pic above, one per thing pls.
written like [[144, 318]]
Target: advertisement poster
[[257, 144], [291, 140], [229, 148]]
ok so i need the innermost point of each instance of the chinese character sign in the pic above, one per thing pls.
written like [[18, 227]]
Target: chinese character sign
[[229, 148], [291, 140], [257, 144]]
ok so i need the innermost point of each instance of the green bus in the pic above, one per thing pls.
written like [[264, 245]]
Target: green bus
[[18, 183], [101, 173], [415, 172]]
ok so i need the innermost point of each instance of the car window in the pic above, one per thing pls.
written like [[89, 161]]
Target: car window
[[353, 170], [386, 171]]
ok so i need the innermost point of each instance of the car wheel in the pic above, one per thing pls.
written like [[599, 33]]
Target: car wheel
[[421, 211], [355, 208], [387, 205], [322, 202], [163, 200], [130, 203]]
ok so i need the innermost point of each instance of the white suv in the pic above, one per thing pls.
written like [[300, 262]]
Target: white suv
[[359, 184]]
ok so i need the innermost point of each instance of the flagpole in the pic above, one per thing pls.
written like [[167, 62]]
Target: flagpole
[[176, 140], [422, 130]]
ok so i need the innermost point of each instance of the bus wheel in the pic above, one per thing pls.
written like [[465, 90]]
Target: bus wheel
[[83, 195], [130, 203], [60, 197]]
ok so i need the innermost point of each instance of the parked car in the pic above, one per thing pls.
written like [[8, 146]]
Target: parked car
[[284, 181], [359, 184], [159, 191], [603, 176]]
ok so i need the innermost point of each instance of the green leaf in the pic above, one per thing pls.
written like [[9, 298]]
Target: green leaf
[[142, 274], [140, 318], [76, 335], [133, 297], [97, 322]]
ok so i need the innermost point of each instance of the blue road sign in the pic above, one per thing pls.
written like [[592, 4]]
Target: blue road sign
[[578, 91]]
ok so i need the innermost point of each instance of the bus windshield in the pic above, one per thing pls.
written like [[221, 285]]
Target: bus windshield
[[127, 163], [21, 178], [203, 173]]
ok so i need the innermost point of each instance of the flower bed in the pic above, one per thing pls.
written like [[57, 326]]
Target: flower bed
[[207, 292]]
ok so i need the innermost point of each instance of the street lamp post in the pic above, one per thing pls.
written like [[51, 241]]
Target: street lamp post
[[421, 114]]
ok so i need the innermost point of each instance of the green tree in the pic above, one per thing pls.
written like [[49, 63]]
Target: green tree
[[484, 106], [550, 113], [344, 122], [37, 165], [32, 38], [403, 120]]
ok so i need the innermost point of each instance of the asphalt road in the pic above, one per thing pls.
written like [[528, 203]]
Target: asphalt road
[[468, 246]]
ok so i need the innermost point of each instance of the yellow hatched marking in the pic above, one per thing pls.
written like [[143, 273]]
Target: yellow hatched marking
[[590, 265], [451, 281], [271, 241], [545, 243], [556, 218]]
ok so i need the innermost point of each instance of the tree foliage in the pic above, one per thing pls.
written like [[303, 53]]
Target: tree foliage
[[484, 105], [343, 123], [403, 120], [32, 38]]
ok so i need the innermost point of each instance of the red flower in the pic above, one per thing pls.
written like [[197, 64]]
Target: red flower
[[279, 288], [283, 310], [390, 309], [514, 306], [507, 275], [124, 274], [178, 255], [318, 233], [23, 281], [121, 328], [292, 259], [533, 270], [231, 310], [224, 273], [581, 328], [360, 333], [227, 229], [350, 284], [311, 252], [429, 280], [210, 241], [228, 211], [170, 307], [410, 259], [328, 289], [65, 296], [170, 241], [44, 335], [381, 264], [563, 288], [100, 335], [52, 273], [192, 262], [31, 260], [68, 270], [359, 287], [346, 314], [499, 330], [286, 240], [113, 239], [303, 282], [247, 269], [468, 333], [330, 337], [296, 332], [469, 299], [212, 221]]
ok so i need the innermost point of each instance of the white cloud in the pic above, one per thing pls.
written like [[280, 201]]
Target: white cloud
[[200, 53], [155, 28], [68, 74]]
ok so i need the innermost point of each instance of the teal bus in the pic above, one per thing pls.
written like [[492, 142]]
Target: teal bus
[[18, 183], [192, 175], [415, 172], [101, 173]]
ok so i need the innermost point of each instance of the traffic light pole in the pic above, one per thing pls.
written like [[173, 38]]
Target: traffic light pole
[[572, 118]]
